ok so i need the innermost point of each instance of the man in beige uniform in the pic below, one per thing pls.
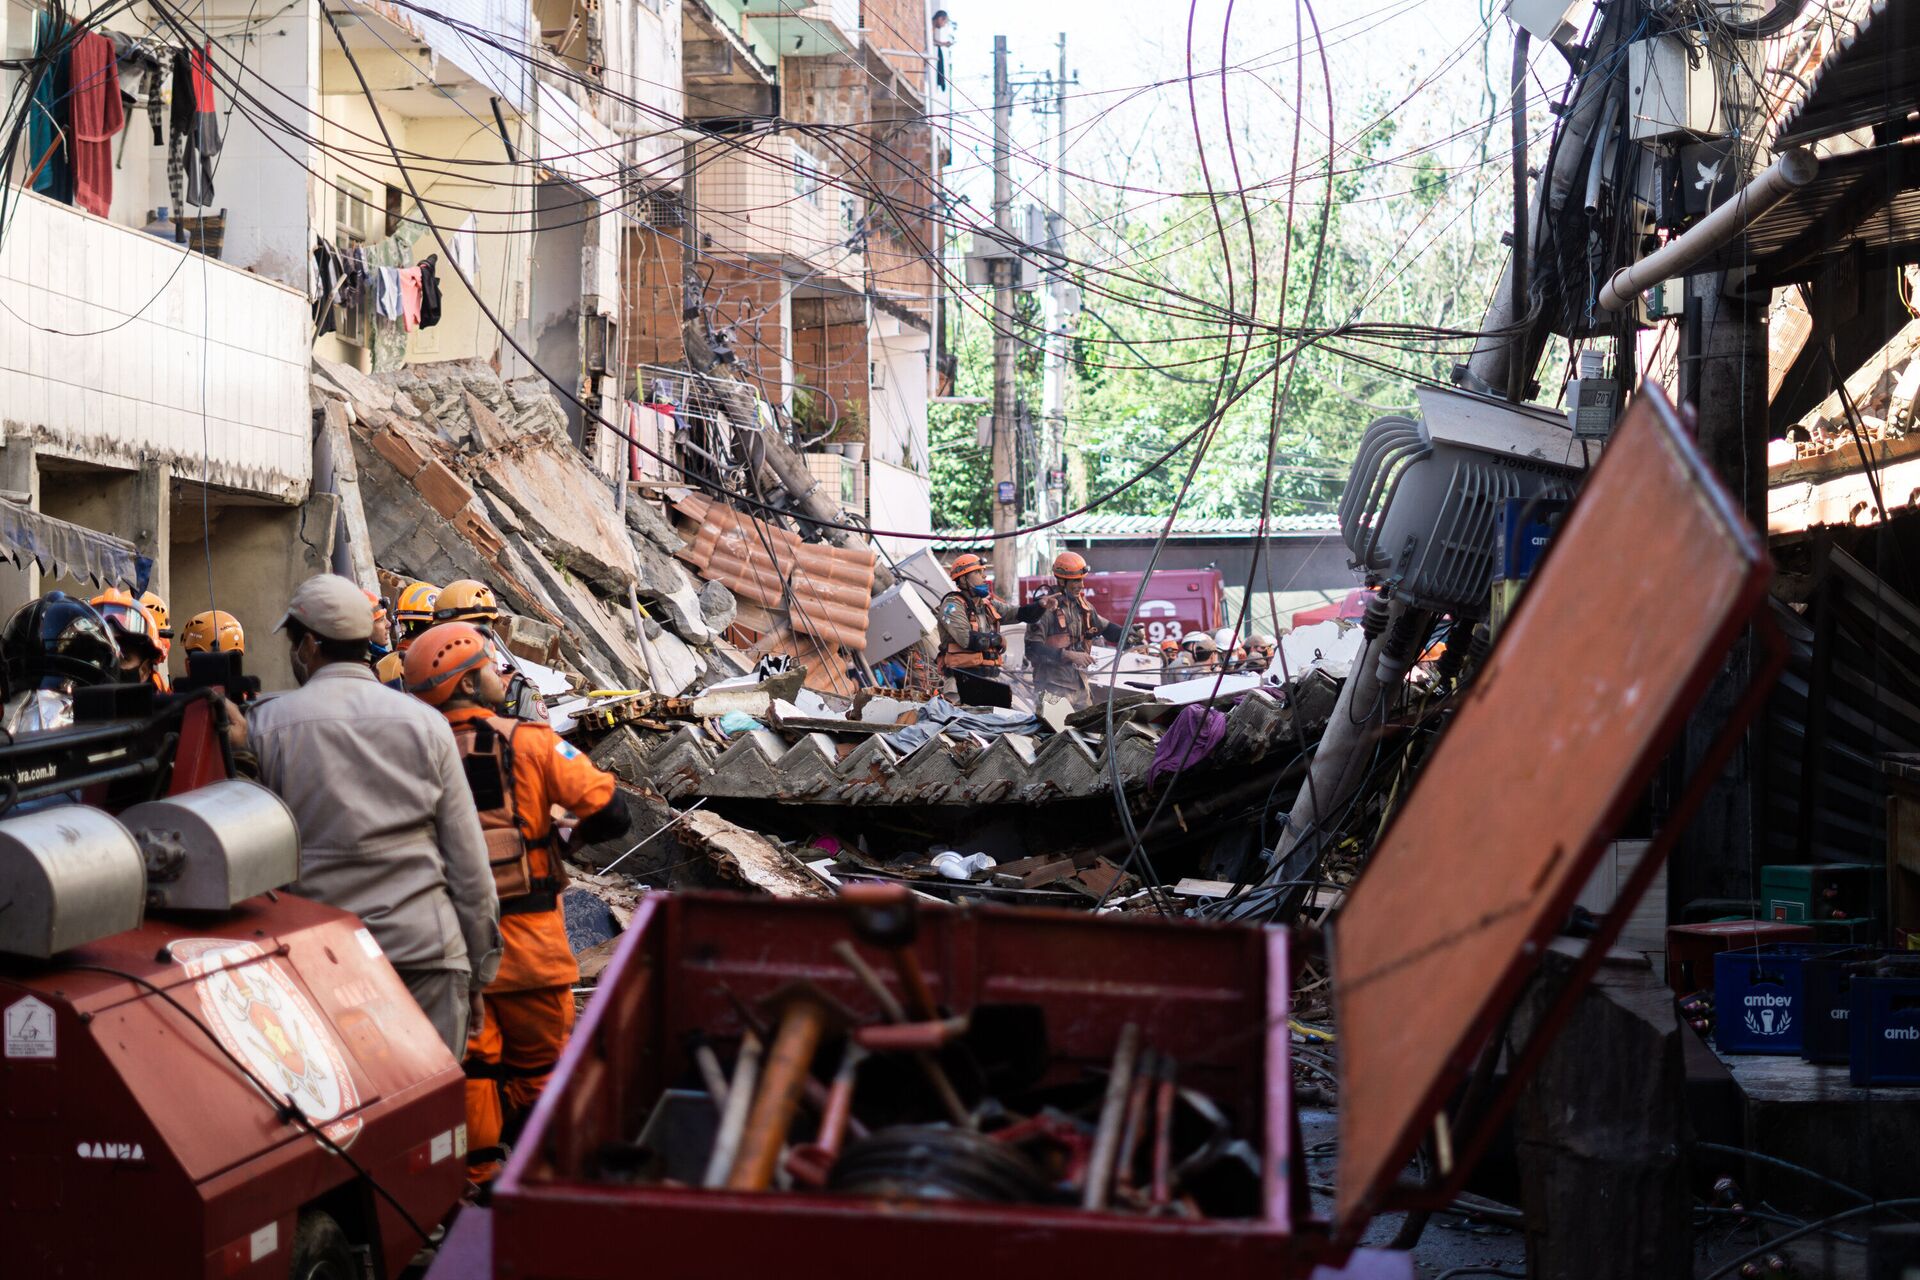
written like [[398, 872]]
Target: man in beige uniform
[[388, 827]]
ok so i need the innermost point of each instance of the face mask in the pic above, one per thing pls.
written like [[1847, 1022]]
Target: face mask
[[981, 589]]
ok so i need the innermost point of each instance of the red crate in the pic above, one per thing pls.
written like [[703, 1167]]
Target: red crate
[[1214, 997]]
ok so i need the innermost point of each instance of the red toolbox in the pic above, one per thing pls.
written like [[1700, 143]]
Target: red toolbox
[[1213, 998]]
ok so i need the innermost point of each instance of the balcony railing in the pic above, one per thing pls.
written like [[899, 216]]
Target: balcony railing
[[770, 198]]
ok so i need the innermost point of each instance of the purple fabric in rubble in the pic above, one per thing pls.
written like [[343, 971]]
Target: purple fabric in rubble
[[1194, 735]]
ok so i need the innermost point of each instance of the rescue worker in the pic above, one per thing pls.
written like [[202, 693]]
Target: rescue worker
[[388, 828], [972, 652], [1203, 654], [1060, 645], [213, 631], [413, 612], [470, 600], [1261, 650], [50, 647], [154, 605], [520, 771], [136, 634], [380, 644]]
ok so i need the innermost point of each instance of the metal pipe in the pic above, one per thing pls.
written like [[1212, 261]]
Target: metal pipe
[[802, 1024], [1792, 171], [733, 1121], [1517, 372], [1106, 1140], [892, 1010]]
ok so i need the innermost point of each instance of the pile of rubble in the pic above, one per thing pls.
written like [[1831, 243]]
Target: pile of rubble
[[713, 661]]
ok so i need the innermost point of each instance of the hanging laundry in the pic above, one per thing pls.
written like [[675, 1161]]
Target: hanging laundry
[[386, 293], [327, 273], [96, 115], [50, 157], [204, 142], [389, 343], [463, 249], [410, 297], [141, 55], [429, 292], [180, 123]]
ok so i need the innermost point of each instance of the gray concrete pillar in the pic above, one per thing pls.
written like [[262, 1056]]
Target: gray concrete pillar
[[151, 529]]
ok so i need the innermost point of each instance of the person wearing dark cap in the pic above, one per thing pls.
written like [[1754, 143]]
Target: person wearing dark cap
[[388, 826]]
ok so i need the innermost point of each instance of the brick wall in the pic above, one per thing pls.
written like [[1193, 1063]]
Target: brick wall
[[650, 274], [746, 296], [830, 352], [900, 25]]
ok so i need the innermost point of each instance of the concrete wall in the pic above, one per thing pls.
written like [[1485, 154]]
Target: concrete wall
[[192, 362], [901, 500], [552, 328], [258, 556]]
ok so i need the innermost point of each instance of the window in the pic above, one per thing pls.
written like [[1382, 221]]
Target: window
[[353, 215], [809, 175]]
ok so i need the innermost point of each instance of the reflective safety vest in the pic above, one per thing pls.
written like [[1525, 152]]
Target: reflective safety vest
[[525, 873], [982, 616]]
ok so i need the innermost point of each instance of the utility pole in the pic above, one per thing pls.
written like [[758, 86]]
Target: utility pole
[[1053, 426], [1723, 375], [1006, 511]]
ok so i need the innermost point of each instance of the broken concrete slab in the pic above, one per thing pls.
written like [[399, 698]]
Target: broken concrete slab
[[748, 857], [646, 520], [718, 608], [568, 512], [663, 581]]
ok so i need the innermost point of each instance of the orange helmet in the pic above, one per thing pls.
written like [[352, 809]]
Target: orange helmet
[[417, 602], [439, 657], [1068, 566], [466, 601], [214, 630], [965, 564], [158, 608], [128, 620]]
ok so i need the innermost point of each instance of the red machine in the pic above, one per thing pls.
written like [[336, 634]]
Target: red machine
[[233, 1086], [1176, 602]]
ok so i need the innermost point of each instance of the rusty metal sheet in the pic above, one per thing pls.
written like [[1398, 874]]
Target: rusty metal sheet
[[1627, 621]]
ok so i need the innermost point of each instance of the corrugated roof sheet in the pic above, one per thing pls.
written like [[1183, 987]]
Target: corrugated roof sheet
[[1869, 77], [1099, 524], [826, 590], [1867, 200]]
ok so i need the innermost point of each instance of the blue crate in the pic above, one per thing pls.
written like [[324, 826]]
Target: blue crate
[[1884, 1024], [1826, 989], [1757, 1002]]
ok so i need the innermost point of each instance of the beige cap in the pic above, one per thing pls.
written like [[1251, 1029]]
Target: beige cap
[[331, 607]]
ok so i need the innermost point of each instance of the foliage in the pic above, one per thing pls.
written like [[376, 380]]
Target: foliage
[[1412, 236]]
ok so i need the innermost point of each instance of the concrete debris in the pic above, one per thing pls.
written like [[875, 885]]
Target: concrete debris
[[718, 608], [746, 857], [809, 760]]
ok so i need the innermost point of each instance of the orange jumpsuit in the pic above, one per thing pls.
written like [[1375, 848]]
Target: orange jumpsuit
[[529, 1003]]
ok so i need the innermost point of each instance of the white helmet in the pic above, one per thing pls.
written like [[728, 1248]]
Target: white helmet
[[1223, 638], [1192, 637]]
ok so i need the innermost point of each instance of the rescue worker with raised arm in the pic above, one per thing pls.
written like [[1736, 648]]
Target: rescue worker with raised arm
[[972, 652], [1060, 645], [519, 771]]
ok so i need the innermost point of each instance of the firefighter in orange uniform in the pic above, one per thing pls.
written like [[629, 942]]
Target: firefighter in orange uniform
[[972, 653], [519, 771], [1059, 649]]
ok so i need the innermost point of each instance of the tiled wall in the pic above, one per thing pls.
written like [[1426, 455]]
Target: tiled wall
[[162, 355]]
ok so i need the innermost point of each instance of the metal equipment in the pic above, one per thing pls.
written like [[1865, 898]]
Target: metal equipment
[[1422, 510], [233, 1084]]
